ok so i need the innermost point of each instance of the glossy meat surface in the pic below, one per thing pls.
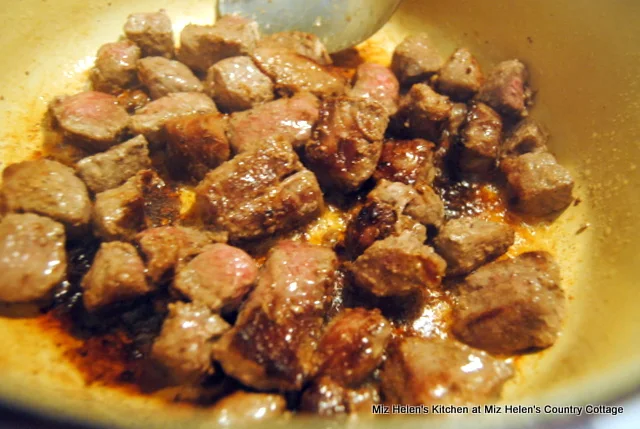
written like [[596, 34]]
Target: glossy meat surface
[[273, 342], [32, 257]]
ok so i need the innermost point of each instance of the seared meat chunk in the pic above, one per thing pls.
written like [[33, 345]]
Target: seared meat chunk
[[272, 343], [406, 161], [352, 345], [115, 66], [347, 142], [219, 277], [162, 76], [467, 243], [415, 59], [505, 89], [391, 209], [327, 397], [397, 266], [32, 257], [116, 275], [434, 371], [237, 84], [460, 77], [378, 83], [93, 120], [423, 206], [152, 32], [151, 119], [305, 44], [183, 348], [374, 221], [423, 112], [112, 168], [242, 408], [512, 305], [537, 183], [166, 247], [201, 46], [47, 188], [259, 193], [480, 139], [528, 136], [196, 144], [143, 201], [292, 73], [284, 122]]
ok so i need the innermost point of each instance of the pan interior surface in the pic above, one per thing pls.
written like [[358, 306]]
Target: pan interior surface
[[584, 64]]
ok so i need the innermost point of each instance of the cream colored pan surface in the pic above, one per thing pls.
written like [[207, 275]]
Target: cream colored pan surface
[[584, 61]]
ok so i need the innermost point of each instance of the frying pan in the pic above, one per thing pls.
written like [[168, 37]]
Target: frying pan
[[584, 61]]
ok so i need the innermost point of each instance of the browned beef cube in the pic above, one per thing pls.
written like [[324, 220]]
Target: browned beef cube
[[467, 243], [183, 347], [391, 209], [196, 144], [415, 59], [505, 89], [167, 247], [423, 206], [220, 277], [305, 44], [378, 83], [259, 193], [353, 345], [272, 343], [512, 305], [116, 275], [406, 161], [93, 120], [244, 408], [162, 76], [480, 139], [151, 119], [347, 142], [460, 77], [537, 183], [292, 73], [115, 66], [237, 84], [397, 266], [426, 371], [112, 168], [423, 112], [285, 122], [201, 46], [47, 188], [143, 201], [327, 397], [375, 221], [32, 257], [528, 136], [152, 32]]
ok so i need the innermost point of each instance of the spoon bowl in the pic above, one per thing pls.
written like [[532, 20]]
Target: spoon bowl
[[338, 23]]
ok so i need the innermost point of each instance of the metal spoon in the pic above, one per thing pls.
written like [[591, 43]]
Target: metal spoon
[[339, 23]]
